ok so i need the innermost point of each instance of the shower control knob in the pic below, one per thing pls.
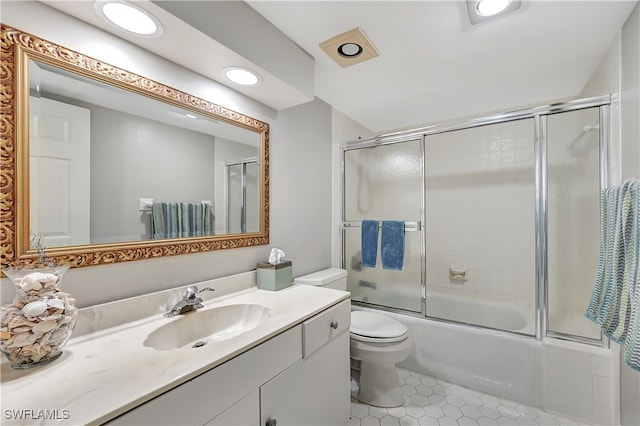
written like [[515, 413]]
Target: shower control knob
[[271, 422], [334, 325]]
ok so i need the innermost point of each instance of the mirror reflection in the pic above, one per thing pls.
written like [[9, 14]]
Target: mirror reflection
[[109, 165]]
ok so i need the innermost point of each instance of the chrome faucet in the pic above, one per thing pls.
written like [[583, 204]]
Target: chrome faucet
[[190, 301]]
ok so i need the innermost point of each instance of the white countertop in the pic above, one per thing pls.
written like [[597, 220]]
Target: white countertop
[[105, 373]]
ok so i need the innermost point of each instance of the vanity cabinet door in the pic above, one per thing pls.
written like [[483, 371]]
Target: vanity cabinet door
[[316, 389], [245, 412]]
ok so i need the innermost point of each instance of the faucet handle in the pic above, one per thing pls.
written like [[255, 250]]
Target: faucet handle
[[192, 292]]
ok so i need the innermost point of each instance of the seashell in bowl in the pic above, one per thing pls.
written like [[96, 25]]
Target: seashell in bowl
[[44, 326], [34, 309]]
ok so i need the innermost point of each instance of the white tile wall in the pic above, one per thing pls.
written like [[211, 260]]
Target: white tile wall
[[480, 211], [580, 381]]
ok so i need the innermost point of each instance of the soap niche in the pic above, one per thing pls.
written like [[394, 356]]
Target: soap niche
[[458, 275]]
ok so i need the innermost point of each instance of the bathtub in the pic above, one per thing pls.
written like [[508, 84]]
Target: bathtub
[[496, 362], [483, 313]]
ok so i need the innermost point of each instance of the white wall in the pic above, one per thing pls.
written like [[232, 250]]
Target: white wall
[[300, 189], [130, 161], [619, 74], [301, 186], [630, 168]]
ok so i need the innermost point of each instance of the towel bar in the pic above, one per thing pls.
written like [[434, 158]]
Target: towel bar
[[408, 226]]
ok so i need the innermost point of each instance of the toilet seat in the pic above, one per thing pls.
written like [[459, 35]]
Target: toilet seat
[[376, 328]]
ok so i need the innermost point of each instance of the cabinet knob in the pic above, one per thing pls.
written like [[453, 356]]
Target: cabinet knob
[[271, 422], [334, 324]]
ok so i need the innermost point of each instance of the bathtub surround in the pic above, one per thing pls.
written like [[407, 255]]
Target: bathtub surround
[[565, 378], [580, 381], [492, 208]]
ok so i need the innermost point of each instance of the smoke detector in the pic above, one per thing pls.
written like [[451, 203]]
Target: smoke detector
[[350, 48]]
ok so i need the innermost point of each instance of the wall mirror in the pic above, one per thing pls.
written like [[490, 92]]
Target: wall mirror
[[109, 166]]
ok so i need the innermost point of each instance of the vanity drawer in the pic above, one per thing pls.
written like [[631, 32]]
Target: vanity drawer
[[322, 328]]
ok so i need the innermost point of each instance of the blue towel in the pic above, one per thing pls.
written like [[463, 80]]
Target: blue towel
[[369, 241], [392, 244]]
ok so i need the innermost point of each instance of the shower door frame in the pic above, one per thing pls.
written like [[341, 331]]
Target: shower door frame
[[419, 225], [243, 183], [539, 115]]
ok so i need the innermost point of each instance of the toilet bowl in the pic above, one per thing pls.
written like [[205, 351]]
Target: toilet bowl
[[377, 343]]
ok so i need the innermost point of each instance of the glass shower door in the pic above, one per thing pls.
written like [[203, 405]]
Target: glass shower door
[[384, 182], [573, 182], [480, 228]]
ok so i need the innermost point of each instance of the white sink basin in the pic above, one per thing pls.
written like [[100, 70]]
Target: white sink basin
[[195, 329]]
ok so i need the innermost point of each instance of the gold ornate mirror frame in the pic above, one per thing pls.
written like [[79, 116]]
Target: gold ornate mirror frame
[[17, 48]]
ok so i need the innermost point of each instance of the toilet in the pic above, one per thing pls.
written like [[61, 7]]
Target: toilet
[[378, 342]]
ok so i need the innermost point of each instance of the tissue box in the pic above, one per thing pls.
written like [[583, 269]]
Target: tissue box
[[274, 277]]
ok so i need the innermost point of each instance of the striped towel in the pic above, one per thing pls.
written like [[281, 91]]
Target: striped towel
[[615, 301]]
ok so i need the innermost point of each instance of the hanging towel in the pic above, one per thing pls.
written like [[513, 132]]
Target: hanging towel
[[180, 220], [616, 293], [206, 219], [392, 244], [186, 222], [158, 221], [369, 242]]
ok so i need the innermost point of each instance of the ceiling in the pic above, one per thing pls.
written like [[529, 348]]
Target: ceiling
[[433, 65]]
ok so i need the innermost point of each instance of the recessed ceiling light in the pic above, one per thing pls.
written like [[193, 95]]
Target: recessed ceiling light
[[484, 10], [241, 76], [491, 7], [129, 17]]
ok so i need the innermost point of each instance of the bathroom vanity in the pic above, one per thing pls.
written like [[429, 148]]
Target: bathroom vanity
[[287, 366]]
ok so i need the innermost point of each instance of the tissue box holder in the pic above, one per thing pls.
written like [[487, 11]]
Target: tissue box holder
[[274, 277]]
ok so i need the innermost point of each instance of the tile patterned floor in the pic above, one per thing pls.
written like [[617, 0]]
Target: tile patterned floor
[[430, 401]]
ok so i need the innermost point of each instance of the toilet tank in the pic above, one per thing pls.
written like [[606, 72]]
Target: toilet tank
[[335, 278]]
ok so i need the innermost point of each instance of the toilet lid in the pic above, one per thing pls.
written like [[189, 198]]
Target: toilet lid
[[377, 326]]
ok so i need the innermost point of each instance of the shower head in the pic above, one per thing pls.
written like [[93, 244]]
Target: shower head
[[578, 145]]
